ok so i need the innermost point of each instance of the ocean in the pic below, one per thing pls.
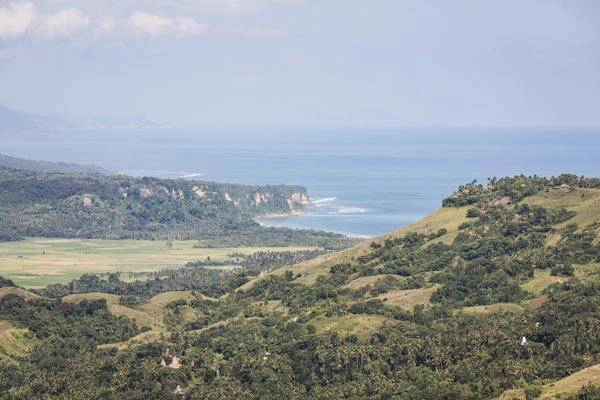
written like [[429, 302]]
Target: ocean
[[361, 182]]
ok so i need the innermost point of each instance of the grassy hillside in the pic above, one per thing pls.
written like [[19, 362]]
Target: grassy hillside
[[495, 295], [448, 219], [14, 342], [562, 388], [140, 317]]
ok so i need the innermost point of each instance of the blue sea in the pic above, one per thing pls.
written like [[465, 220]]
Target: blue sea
[[361, 182]]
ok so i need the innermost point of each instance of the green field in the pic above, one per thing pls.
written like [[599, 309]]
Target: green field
[[36, 262]]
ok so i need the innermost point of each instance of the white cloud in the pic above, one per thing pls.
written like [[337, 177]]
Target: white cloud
[[106, 26], [152, 25], [63, 24], [189, 27], [16, 19], [22, 23], [248, 31], [241, 5]]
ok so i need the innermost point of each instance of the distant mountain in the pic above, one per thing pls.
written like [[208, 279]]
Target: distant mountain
[[14, 120], [11, 120], [47, 166]]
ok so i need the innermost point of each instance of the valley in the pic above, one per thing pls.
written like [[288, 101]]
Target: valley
[[38, 262]]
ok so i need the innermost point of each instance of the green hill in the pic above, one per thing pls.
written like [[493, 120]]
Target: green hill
[[495, 295], [75, 205]]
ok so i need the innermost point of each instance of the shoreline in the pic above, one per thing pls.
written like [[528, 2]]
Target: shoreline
[[293, 213], [297, 213]]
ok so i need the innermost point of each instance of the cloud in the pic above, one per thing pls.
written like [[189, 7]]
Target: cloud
[[241, 5], [63, 24], [152, 25], [16, 19], [21, 23], [248, 31], [106, 25]]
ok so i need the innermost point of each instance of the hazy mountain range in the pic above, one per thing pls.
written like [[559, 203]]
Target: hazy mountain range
[[11, 120], [47, 166]]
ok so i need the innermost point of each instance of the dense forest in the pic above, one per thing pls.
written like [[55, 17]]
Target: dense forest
[[496, 294], [76, 205]]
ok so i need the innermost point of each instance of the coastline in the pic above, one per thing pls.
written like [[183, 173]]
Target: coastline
[[260, 219], [293, 213]]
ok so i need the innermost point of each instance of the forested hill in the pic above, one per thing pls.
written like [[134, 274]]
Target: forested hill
[[47, 166], [116, 206], [496, 295]]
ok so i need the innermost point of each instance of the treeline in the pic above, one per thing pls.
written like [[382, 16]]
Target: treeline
[[261, 261], [267, 261], [194, 276], [278, 237], [209, 282]]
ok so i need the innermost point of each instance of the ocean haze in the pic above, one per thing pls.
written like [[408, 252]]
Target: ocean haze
[[362, 182], [309, 63]]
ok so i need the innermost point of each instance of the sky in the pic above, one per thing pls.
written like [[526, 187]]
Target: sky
[[305, 63]]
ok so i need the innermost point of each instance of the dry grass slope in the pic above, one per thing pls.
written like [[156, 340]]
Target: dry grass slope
[[14, 342], [540, 281], [363, 281], [447, 218], [492, 308], [155, 306], [585, 202], [542, 278], [141, 317], [561, 388], [27, 295], [407, 299], [353, 324]]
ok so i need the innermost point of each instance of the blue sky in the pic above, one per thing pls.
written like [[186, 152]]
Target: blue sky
[[306, 63]]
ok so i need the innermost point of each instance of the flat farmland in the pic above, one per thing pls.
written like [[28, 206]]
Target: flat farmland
[[38, 262]]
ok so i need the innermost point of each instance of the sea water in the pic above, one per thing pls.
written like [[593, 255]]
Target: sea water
[[362, 182]]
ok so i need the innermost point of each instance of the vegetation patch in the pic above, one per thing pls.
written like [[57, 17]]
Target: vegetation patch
[[560, 389], [542, 278], [359, 325], [492, 308], [364, 281], [24, 294], [141, 317], [14, 342], [408, 299]]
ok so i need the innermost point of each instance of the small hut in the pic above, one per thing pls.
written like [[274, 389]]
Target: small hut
[[179, 391], [175, 364]]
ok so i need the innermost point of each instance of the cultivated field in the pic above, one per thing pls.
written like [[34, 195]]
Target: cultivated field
[[35, 263]]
